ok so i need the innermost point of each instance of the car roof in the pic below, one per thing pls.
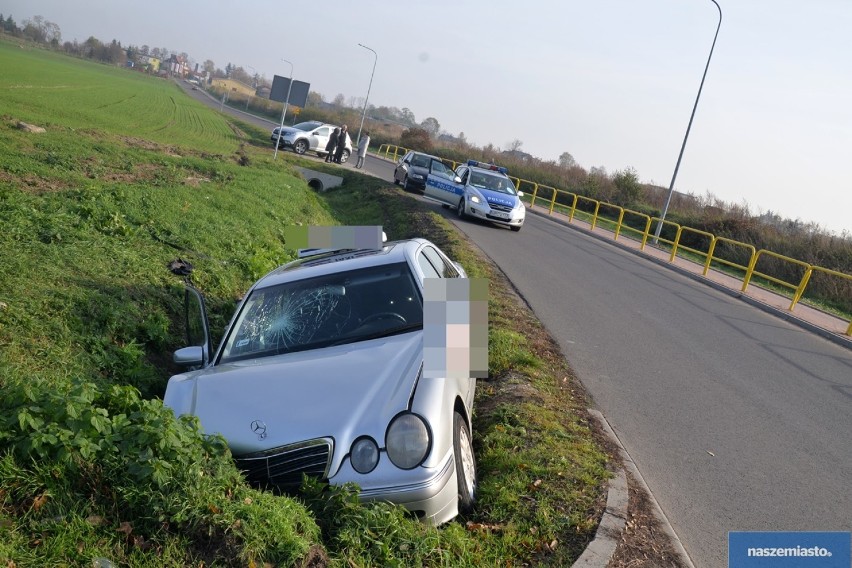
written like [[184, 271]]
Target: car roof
[[425, 154], [342, 261]]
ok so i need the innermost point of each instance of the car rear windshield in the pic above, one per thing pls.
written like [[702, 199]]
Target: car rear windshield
[[344, 307], [421, 161]]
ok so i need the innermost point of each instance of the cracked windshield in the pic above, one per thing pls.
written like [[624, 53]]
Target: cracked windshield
[[329, 310]]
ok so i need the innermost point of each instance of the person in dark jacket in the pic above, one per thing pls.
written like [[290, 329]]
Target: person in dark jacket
[[331, 145], [341, 144]]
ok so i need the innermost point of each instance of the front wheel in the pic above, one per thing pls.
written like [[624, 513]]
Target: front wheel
[[465, 463], [300, 147], [460, 209]]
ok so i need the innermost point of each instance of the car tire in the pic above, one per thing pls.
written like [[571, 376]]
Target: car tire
[[516, 229], [300, 147], [465, 463], [344, 157], [460, 209]]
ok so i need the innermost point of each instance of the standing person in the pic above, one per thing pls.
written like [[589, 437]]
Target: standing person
[[331, 145], [341, 144], [363, 144]]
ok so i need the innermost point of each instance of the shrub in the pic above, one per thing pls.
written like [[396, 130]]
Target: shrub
[[130, 459]]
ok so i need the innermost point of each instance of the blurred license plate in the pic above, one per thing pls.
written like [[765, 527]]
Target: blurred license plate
[[501, 215]]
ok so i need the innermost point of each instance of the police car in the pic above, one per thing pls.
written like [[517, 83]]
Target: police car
[[480, 190]]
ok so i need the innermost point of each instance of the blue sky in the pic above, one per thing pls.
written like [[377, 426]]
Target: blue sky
[[610, 81]]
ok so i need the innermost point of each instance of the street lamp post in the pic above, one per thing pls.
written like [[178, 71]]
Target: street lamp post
[[363, 114], [688, 127], [284, 112], [248, 98]]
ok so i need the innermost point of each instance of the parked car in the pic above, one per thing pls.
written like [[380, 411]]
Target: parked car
[[312, 135], [320, 372], [480, 190], [412, 169]]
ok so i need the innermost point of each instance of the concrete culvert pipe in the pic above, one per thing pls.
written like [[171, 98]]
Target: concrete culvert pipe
[[316, 184]]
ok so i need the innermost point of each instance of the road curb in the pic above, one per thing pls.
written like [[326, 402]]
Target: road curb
[[600, 550], [630, 466]]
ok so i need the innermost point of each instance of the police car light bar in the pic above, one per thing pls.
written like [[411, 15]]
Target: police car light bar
[[491, 167]]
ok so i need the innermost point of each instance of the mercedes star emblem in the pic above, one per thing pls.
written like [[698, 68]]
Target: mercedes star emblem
[[259, 428]]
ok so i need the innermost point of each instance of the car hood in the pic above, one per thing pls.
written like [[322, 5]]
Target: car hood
[[286, 130], [497, 198], [341, 392]]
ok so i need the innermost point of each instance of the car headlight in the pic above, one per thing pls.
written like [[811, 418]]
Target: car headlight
[[475, 199], [417, 176], [408, 441], [364, 455]]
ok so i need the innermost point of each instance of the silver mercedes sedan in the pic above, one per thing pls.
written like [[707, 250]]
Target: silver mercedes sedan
[[321, 373]]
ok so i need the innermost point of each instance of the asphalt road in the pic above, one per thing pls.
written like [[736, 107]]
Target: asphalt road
[[736, 419]]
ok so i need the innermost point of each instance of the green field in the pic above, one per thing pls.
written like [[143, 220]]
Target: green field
[[130, 175]]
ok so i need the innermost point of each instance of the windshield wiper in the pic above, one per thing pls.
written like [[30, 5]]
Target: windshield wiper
[[379, 334]]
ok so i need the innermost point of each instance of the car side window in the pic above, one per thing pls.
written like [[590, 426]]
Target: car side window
[[322, 131], [445, 268], [439, 167], [429, 271], [461, 171]]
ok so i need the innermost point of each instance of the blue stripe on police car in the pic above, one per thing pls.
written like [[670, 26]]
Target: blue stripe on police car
[[443, 186]]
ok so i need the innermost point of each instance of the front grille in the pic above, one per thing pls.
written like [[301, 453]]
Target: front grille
[[498, 207], [284, 466]]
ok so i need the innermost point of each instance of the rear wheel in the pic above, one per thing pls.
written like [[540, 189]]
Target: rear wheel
[[465, 463], [300, 147]]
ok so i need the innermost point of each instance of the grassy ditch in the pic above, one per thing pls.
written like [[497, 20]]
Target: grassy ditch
[[92, 465]]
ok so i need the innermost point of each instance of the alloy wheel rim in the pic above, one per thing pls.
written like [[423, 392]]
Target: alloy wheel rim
[[468, 464]]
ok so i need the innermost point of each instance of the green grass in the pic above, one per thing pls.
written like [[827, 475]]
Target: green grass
[[91, 463]]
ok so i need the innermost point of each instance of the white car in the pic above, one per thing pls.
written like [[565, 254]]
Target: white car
[[320, 372], [484, 192], [311, 135]]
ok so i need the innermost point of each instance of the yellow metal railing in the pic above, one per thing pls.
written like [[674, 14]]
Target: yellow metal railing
[[677, 244], [752, 271], [534, 192], [711, 257]]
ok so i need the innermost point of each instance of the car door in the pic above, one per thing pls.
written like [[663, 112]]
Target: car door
[[441, 186], [319, 138]]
